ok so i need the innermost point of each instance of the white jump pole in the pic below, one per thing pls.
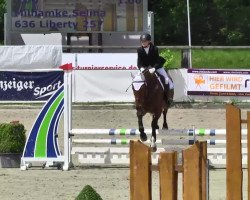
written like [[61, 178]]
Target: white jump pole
[[70, 115], [189, 36], [113, 141], [109, 131], [174, 132], [67, 115]]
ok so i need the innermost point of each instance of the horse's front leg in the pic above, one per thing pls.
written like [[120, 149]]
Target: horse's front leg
[[143, 135], [154, 126], [164, 113]]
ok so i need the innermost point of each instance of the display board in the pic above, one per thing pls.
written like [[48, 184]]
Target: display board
[[77, 16]]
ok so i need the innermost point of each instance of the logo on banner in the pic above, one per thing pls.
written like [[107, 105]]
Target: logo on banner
[[246, 81], [38, 92], [199, 80], [29, 86], [41, 92]]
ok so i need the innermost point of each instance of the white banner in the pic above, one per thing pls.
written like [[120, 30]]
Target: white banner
[[105, 77], [99, 86], [107, 61], [111, 85], [218, 82]]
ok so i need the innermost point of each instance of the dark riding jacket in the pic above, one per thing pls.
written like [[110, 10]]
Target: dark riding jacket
[[151, 59]]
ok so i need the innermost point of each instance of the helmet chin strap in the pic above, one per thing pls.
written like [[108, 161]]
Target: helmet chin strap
[[147, 46]]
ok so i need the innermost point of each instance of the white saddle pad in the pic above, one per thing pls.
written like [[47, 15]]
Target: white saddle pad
[[139, 80]]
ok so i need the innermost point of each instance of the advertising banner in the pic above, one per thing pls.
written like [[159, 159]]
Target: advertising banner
[[103, 86], [218, 82], [29, 86], [107, 61], [77, 16]]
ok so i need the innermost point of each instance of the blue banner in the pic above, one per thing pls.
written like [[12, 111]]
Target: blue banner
[[29, 86]]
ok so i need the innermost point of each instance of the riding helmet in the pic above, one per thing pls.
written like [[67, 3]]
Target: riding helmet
[[145, 37]]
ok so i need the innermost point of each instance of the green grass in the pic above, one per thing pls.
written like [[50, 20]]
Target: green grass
[[214, 59], [88, 193]]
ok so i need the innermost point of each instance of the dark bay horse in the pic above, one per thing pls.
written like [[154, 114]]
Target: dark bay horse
[[149, 98]]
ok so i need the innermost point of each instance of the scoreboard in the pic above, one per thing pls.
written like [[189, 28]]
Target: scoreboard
[[77, 16]]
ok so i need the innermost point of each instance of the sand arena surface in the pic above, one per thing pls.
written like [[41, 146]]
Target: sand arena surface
[[110, 183]]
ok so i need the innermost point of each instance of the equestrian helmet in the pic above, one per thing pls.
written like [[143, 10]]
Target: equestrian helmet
[[145, 37]]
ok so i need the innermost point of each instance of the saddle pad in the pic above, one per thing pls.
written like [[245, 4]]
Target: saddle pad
[[138, 81]]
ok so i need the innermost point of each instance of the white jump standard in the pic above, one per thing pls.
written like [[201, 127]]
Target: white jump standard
[[42, 142]]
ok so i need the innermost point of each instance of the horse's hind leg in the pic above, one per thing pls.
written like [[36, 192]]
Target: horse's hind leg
[[165, 124], [143, 135]]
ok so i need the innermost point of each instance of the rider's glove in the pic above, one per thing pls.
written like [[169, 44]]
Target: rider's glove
[[151, 70], [142, 69]]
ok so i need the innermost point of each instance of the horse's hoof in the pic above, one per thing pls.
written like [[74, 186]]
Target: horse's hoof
[[153, 145], [154, 149], [143, 137], [165, 127]]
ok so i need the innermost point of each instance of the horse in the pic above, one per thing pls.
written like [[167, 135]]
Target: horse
[[149, 98]]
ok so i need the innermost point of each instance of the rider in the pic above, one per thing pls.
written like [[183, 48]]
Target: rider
[[148, 57]]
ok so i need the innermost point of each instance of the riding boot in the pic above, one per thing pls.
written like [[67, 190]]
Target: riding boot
[[166, 93], [170, 97]]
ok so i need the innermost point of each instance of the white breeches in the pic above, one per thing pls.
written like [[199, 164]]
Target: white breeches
[[162, 72]]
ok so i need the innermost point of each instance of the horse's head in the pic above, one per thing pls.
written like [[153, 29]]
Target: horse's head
[[139, 88], [145, 87]]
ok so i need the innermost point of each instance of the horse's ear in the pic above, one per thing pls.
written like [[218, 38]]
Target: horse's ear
[[132, 75]]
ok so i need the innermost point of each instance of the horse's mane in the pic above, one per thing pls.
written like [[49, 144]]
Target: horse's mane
[[151, 79]]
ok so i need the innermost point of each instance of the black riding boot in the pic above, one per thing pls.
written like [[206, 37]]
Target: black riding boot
[[170, 97], [166, 89], [166, 94]]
